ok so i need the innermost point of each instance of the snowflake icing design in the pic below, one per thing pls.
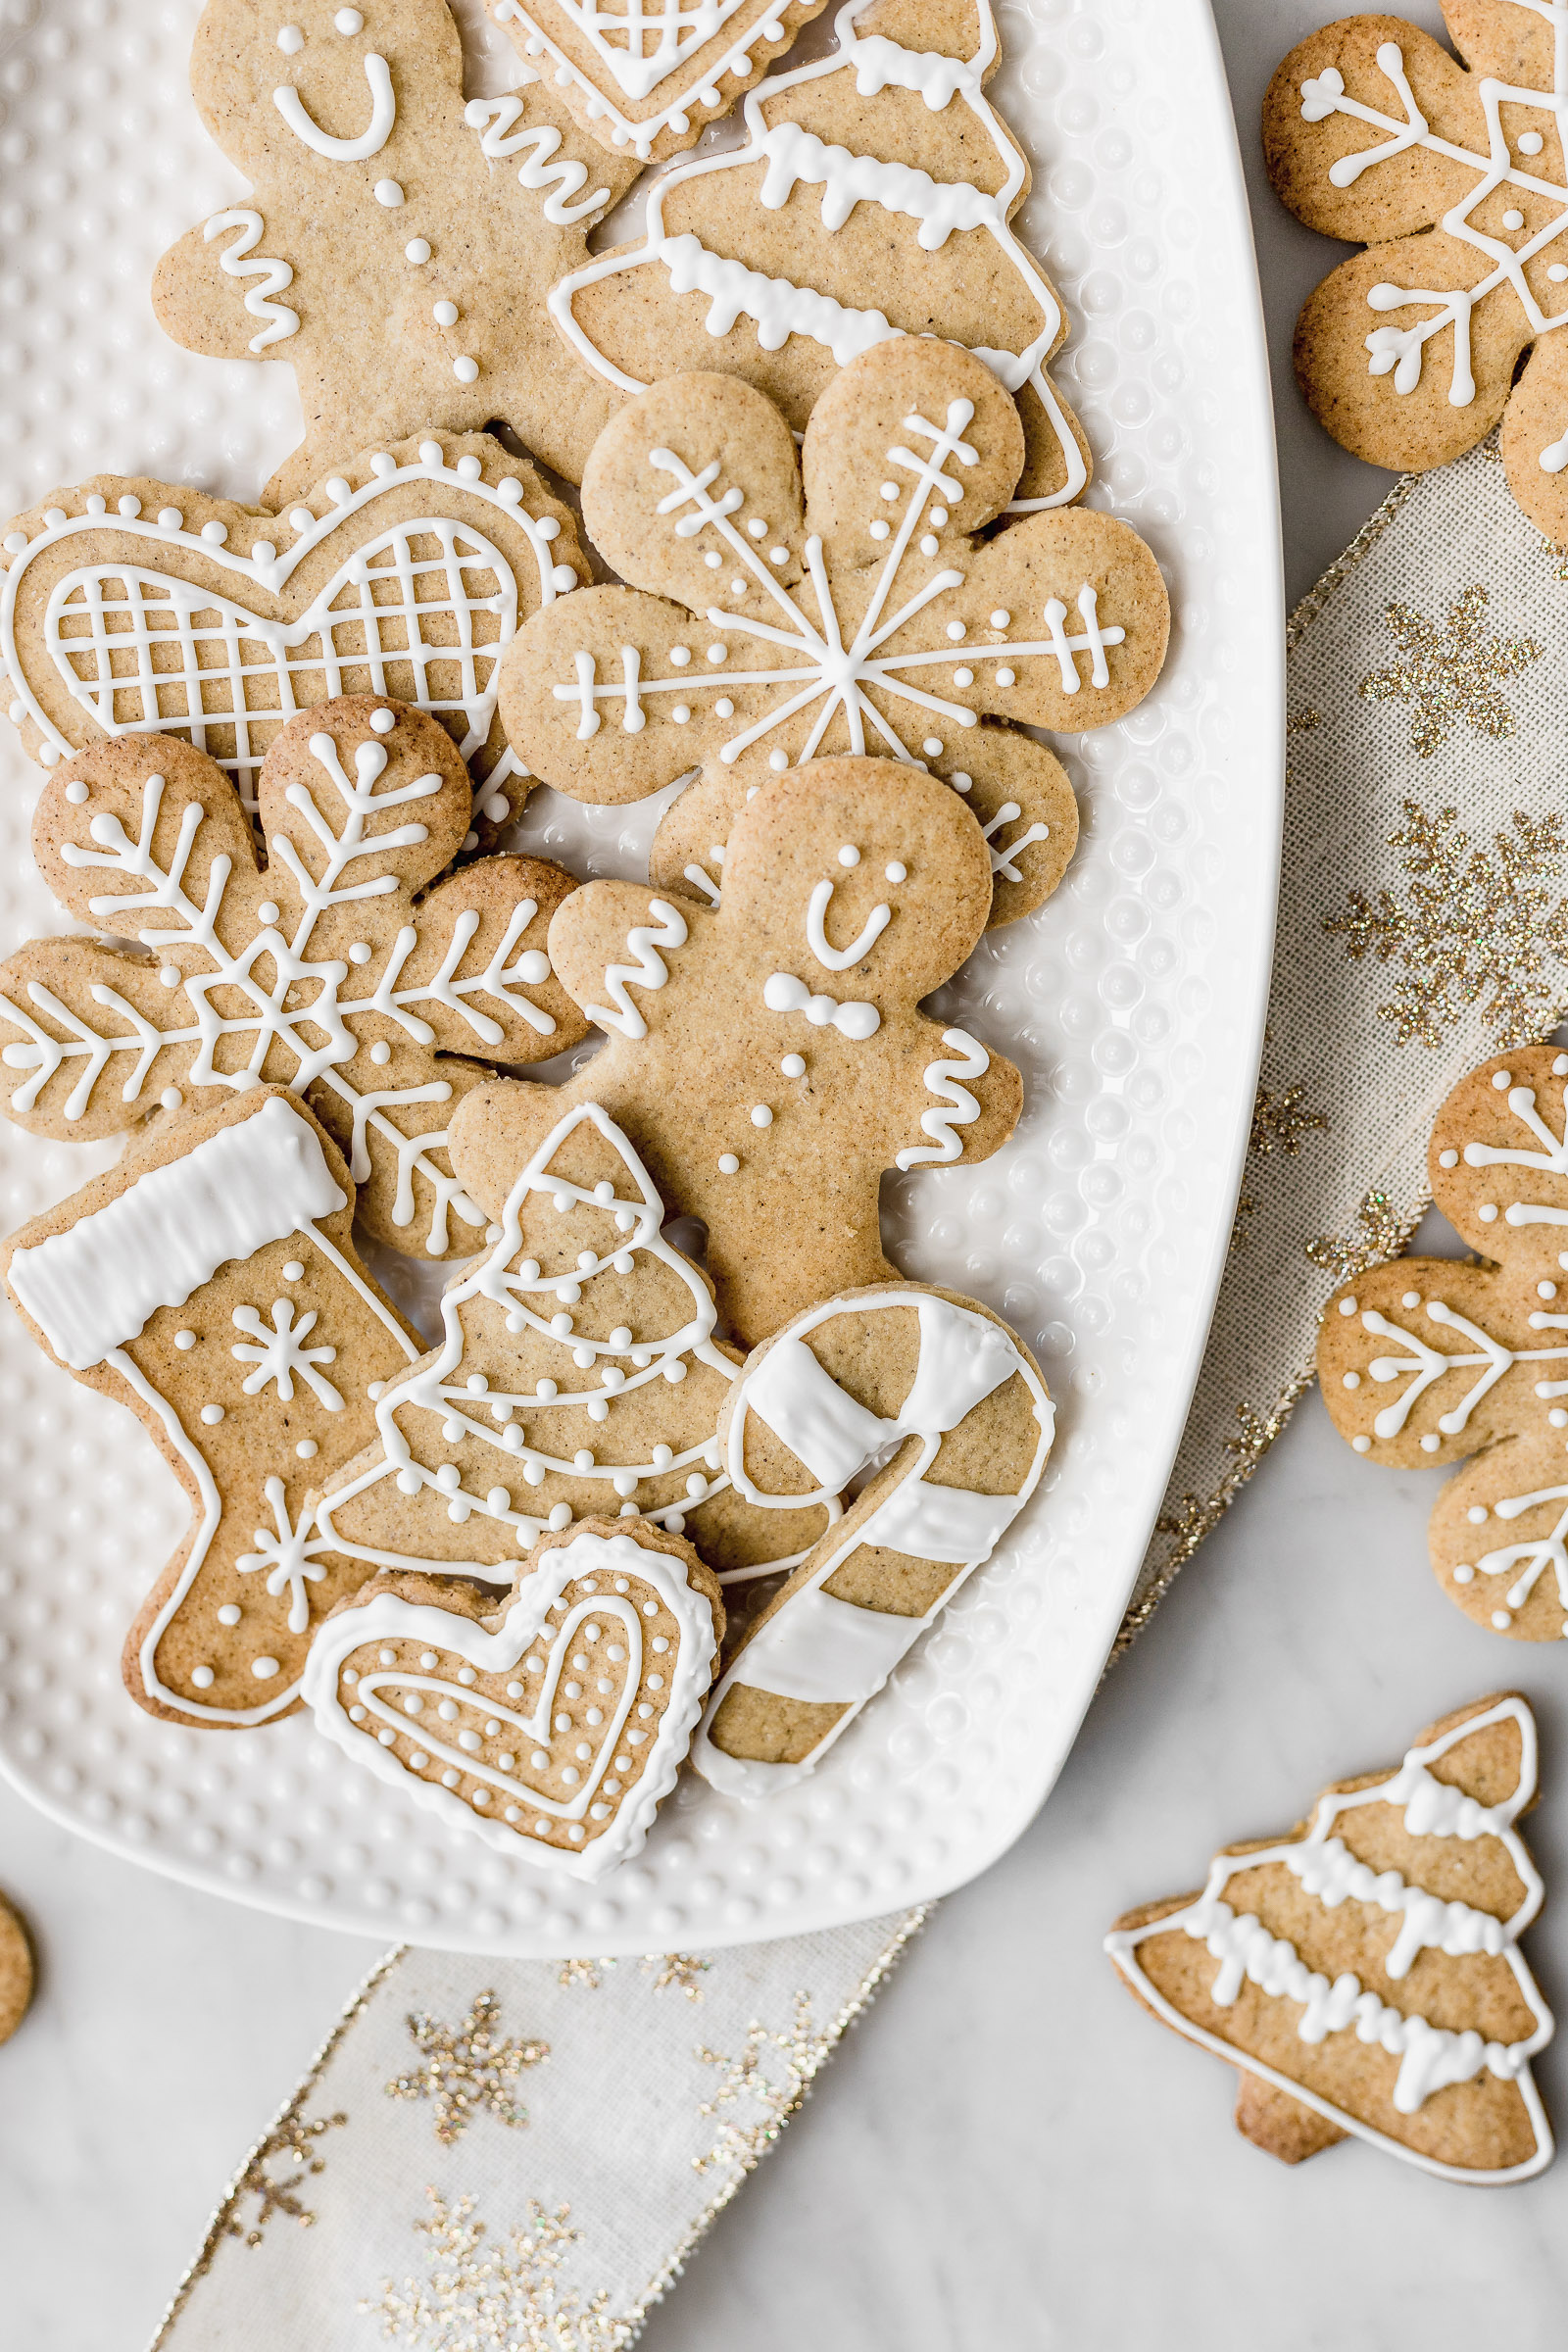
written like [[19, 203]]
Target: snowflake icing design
[[289, 1553], [279, 1353]]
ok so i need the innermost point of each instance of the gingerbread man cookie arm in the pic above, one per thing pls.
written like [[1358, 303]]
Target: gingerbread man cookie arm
[[966, 1105], [612, 945]]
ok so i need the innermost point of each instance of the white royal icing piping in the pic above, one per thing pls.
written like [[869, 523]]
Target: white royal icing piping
[[761, 16], [276, 276], [962, 1109], [649, 971], [374, 137], [782, 992], [495, 117]]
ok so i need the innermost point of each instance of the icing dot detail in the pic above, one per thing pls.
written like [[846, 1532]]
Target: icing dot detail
[[389, 193], [416, 250]]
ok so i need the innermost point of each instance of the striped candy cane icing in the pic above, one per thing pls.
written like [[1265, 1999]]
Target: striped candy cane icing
[[811, 1647]]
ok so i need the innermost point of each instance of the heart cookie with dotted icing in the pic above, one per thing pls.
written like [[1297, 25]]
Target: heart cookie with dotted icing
[[552, 1725]]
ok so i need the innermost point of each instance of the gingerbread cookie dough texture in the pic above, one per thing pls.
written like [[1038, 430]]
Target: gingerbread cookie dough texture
[[552, 1725], [1429, 1360], [397, 245], [16, 1974], [325, 970], [211, 1286], [141, 608], [768, 1061], [878, 173], [1454, 177], [1363, 1974]]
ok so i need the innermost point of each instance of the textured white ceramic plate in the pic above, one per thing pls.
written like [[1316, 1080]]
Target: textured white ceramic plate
[[1133, 1003]]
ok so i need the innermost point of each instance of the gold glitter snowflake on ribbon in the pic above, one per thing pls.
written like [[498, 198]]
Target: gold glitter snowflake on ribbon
[[291, 2142], [756, 2080], [1450, 672], [1383, 1235], [1474, 923], [465, 2068], [677, 1972], [500, 2294], [1281, 1120]]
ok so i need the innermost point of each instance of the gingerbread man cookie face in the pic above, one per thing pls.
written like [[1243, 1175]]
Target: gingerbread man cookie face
[[1454, 180], [770, 621], [1427, 1361], [768, 1061], [397, 244], [319, 971]]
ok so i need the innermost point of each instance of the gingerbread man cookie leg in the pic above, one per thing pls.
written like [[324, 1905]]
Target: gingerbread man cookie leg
[[962, 1400], [213, 1288]]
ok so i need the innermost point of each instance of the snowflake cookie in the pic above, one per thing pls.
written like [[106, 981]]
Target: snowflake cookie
[[322, 970], [552, 1724], [396, 245], [1363, 1973], [1430, 1359], [960, 1397], [769, 1060], [211, 1284], [1454, 179]]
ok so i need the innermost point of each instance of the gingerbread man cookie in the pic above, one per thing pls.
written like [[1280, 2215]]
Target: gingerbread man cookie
[[319, 971], [1428, 1360], [1454, 179], [1369, 1978], [769, 1060], [413, 237], [211, 1284]]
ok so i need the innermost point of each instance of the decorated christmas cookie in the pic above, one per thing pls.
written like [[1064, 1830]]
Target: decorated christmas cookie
[[211, 1286], [15, 1971], [396, 246], [579, 1377], [770, 619], [139, 608], [1454, 178], [1428, 1361], [871, 200], [552, 1725], [1363, 1973], [647, 80], [960, 1397], [319, 971], [768, 1059]]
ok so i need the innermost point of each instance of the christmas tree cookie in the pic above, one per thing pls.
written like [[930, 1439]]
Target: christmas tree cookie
[[1364, 1973]]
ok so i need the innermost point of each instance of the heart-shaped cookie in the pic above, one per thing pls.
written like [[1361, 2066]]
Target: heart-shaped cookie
[[552, 1725], [133, 607]]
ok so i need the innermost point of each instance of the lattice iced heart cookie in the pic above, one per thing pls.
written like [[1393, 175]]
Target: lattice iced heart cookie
[[579, 1377], [139, 607], [958, 1394], [649, 79], [768, 1061], [552, 1725], [1456, 182], [319, 971], [211, 1286], [1425, 1361], [770, 619], [1368, 1977]]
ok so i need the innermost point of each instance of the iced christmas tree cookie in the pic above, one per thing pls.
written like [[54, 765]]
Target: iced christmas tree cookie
[[210, 1285], [325, 970], [871, 200], [1428, 1361], [396, 245], [553, 1724], [1364, 1973]]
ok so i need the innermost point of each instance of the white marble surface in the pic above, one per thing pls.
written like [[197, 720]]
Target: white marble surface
[[1005, 2153]]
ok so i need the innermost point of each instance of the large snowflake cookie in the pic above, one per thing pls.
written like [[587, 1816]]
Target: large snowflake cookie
[[210, 1283], [552, 1724], [1363, 1973], [1454, 177], [960, 1399], [322, 970], [768, 1061], [396, 245], [139, 608], [1428, 1361], [872, 199]]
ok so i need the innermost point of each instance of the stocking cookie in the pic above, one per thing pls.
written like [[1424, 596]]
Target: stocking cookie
[[1364, 1974], [879, 175], [319, 971], [1454, 178], [765, 626], [963, 1398], [414, 238], [139, 607], [578, 1378], [553, 1725], [211, 1286], [768, 1059]]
